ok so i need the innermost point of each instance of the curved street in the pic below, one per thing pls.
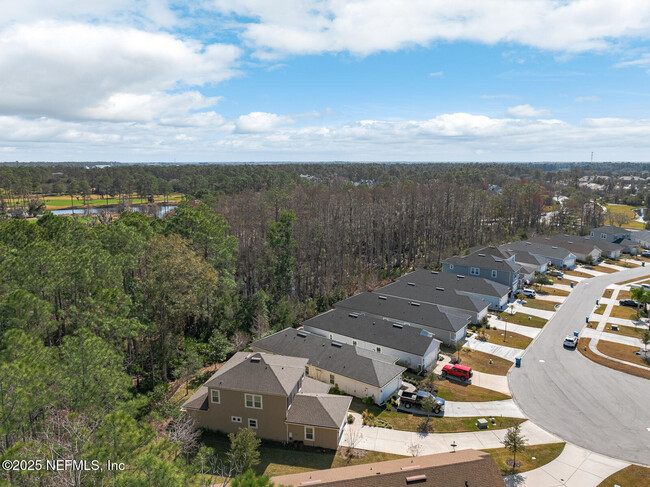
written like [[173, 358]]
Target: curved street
[[597, 408]]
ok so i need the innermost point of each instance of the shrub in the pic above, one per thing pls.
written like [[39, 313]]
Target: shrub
[[350, 419], [368, 401]]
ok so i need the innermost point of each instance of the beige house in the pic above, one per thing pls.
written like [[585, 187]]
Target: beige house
[[271, 395]]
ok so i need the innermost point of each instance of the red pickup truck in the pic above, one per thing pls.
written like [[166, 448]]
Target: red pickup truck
[[459, 371]]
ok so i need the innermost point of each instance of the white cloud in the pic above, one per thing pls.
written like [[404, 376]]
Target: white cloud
[[258, 122], [527, 111], [503, 95], [258, 136], [74, 70], [587, 98], [436, 74], [363, 27]]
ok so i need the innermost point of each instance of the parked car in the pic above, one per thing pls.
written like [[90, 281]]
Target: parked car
[[461, 372], [410, 399], [629, 302], [529, 293], [571, 341], [555, 273], [645, 253]]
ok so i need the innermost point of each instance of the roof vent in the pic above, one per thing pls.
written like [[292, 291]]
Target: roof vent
[[460, 277], [498, 260], [395, 325], [416, 479], [481, 255], [255, 360], [410, 467], [410, 284], [337, 344], [382, 298], [302, 334], [554, 247], [353, 315], [435, 272], [413, 303], [440, 289]]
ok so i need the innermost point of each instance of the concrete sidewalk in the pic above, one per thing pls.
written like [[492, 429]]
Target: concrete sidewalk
[[575, 467], [574, 278], [488, 409], [493, 382], [398, 442], [551, 297], [507, 353]]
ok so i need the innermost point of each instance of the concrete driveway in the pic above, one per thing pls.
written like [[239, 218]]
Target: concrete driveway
[[587, 404]]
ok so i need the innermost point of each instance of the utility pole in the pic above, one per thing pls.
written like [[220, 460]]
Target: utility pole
[[592, 157]]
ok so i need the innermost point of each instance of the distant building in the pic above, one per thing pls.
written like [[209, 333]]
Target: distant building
[[559, 257]]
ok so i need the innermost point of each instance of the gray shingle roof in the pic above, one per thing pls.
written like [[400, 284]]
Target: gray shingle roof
[[523, 257], [198, 400], [321, 410], [369, 367], [550, 250], [486, 257], [443, 296], [640, 234], [259, 373], [373, 330], [407, 311], [610, 230], [571, 243], [467, 284]]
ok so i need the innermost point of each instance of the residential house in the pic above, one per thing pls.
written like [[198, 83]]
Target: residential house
[[463, 468], [530, 264], [584, 251], [609, 233], [559, 257], [448, 297], [445, 325], [642, 237], [410, 346], [356, 371], [494, 293], [271, 395], [608, 249], [486, 262]]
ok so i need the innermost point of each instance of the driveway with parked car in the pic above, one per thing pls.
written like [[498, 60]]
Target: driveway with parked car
[[587, 404]]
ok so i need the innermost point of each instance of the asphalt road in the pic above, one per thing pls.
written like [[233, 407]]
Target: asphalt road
[[587, 404]]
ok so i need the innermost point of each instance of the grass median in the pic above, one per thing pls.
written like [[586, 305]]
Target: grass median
[[583, 348], [622, 352], [534, 456], [631, 476], [514, 340], [523, 319]]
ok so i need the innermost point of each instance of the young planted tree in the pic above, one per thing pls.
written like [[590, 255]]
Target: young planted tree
[[428, 405], [515, 442], [458, 346], [639, 295], [244, 449]]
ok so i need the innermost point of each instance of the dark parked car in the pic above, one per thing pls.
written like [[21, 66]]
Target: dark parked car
[[629, 302]]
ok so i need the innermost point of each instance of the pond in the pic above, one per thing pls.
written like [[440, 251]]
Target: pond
[[162, 211]]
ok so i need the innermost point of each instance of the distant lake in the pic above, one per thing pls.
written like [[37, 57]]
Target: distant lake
[[111, 209]]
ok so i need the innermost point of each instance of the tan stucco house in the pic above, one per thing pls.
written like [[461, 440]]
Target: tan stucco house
[[271, 395]]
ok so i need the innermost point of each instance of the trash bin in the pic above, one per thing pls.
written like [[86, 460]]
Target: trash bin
[[642, 264], [575, 334], [587, 319], [571, 284], [517, 361]]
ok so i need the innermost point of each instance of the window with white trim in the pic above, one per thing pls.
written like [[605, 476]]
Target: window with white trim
[[252, 423], [215, 396], [379, 349], [331, 378], [494, 273], [309, 433], [306, 369], [354, 342], [235, 419], [451, 267], [253, 401], [475, 271]]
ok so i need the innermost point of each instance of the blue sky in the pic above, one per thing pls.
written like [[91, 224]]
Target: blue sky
[[312, 80]]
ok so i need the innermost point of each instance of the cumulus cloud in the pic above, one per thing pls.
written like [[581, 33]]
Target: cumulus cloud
[[527, 111], [76, 70], [258, 122], [364, 27]]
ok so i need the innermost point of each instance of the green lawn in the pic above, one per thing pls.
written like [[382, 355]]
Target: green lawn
[[608, 293], [523, 319], [453, 391], [631, 476], [578, 274], [621, 352], [55, 202], [606, 270], [601, 309], [513, 340], [480, 361], [278, 460], [552, 291], [627, 210], [543, 454], [625, 312], [540, 304], [628, 331]]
